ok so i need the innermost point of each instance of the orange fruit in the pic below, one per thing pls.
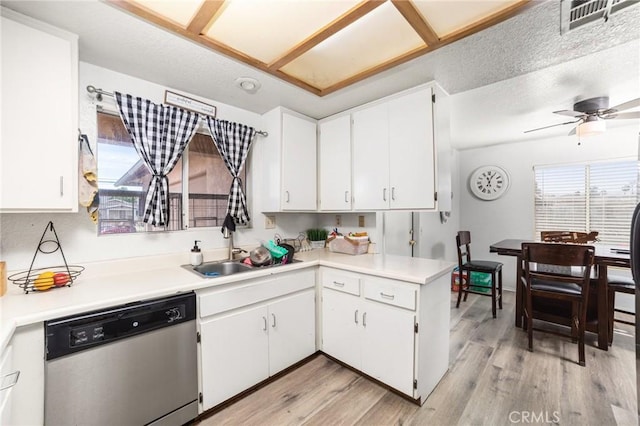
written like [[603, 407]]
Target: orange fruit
[[44, 281]]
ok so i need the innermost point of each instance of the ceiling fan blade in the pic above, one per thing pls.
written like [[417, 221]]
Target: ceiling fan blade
[[570, 113], [622, 115], [627, 105], [572, 132], [553, 125]]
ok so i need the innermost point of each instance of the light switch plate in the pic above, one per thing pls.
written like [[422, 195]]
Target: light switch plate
[[361, 221], [269, 222]]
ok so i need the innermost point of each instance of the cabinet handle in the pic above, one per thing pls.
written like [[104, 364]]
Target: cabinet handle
[[355, 316], [384, 194], [337, 284], [274, 321], [346, 196], [265, 323], [387, 296], [288, 198], [364, 319], [62, 186], [393, 193], [15, 375]]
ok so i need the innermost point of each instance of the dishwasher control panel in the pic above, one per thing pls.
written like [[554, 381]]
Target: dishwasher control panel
[[71, 334]]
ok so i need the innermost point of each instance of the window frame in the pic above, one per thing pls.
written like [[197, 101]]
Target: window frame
[[587, 198], [184, 161]]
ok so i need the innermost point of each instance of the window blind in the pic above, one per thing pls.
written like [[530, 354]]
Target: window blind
[[587, 197]]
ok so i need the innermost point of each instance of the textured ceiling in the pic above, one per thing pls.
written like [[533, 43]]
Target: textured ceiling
[[327, 44], [504, 80]]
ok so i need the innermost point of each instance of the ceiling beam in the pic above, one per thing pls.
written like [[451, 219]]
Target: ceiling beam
[[324, 33], [162, 22], [204, 15], [417, 22], [351, 16]]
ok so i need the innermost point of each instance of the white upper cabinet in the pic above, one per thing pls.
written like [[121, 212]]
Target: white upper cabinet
[[398, 149], [334, 163], [411, 152], [371, 158], [39, 95], [288, 162]]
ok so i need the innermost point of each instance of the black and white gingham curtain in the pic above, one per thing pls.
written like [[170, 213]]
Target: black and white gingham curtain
[[233, 141], [160, 134]]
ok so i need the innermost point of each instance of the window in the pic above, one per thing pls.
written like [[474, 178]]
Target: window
[[123, 180], [587, 197]]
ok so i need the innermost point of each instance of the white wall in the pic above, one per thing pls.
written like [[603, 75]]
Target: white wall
[[437, 240], [20, 233], [512, 216]]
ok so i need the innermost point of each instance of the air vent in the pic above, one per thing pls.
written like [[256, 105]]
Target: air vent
[[576, 13]]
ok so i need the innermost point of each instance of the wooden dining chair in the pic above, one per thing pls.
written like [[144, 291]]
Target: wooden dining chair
[[547, 283], [466, 266], [618, 284]]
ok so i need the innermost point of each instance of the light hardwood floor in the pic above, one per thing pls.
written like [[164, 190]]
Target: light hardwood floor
[[492, 380]]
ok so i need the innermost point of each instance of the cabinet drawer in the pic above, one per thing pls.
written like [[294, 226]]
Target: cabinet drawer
[[390, 292], [341, 281], [215, 300]]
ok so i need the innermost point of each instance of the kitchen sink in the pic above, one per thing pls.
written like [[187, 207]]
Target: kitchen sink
[[219, 268], [223, 268]]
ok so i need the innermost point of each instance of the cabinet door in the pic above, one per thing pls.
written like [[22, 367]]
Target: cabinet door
[[234, 354], [341, 319], [6, 377], [335, 164], [38, 165], [388, 345], [411, 151], [371, 158], [292, 330], [298, 163]]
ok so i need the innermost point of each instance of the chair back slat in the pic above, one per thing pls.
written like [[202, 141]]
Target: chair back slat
[[559, 255], [463, 240]]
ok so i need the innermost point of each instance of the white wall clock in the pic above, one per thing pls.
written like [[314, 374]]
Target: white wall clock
[[489, 182]]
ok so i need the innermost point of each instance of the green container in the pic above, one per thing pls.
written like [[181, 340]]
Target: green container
[[481, 282]]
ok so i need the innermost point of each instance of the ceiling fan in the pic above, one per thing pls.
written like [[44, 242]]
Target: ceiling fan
[[590, 114]]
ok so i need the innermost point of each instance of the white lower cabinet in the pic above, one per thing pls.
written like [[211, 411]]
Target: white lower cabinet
[[235, 354], [291, 325], [22, 373], [7, 381], [369, 336], [388, 345], [373, 337], [396, 332], [251, 331]]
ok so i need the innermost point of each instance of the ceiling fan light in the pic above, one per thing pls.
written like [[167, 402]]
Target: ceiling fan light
[[592, 126]]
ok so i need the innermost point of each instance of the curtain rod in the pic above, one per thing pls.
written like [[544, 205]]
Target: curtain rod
[[100, 92]]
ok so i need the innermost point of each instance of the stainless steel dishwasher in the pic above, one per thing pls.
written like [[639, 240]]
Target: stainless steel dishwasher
[[133, 364]]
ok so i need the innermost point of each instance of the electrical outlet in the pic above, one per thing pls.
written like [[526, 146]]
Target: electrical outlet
[[338, 220], [269, 222], [361, 221]]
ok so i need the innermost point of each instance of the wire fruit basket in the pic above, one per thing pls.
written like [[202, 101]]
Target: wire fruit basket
[[47, 278]]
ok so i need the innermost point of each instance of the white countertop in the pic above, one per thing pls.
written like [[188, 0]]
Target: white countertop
[[105, 284]]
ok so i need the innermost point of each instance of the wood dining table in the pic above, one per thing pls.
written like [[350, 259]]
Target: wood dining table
[[605, 256]]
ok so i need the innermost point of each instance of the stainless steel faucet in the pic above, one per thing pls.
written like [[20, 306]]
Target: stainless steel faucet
[[233, 251]]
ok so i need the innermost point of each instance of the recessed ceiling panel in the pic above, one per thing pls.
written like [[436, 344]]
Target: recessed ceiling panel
[[378, 37], [266, 30], [180, 12], [447, 17]]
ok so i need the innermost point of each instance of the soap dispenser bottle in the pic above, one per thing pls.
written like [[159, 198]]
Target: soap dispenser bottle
[[196, 254]]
